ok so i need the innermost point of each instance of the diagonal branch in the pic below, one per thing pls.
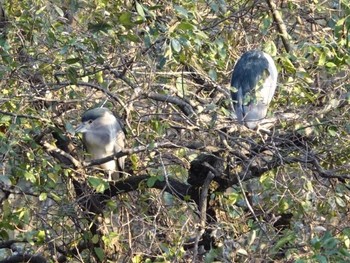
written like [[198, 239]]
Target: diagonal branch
[[281, 27]]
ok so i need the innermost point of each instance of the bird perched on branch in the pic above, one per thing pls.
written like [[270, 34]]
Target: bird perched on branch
[[253, 85], [103, 136]]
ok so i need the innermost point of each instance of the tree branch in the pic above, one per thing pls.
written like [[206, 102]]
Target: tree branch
[[185, 107], [281, 27], [24, 258]]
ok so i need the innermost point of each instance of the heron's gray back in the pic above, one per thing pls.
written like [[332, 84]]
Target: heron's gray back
[[248, 72], [254, 82]]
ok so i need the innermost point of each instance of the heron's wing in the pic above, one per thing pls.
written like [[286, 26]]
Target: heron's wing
[[120, 145]]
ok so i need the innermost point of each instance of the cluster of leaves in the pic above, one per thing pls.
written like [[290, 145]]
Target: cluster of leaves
[[164, 68]]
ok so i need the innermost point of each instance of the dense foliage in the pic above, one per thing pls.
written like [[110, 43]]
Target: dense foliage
[[198, 187]]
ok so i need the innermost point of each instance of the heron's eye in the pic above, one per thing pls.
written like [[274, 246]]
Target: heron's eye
[[89, 121]]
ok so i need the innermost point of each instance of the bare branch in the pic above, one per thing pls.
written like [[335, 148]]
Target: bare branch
[[24, 258], [24, 116], [185, 107]]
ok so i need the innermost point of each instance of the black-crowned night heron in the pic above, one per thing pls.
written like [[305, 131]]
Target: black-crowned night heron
[[253, 85], [103, 136]]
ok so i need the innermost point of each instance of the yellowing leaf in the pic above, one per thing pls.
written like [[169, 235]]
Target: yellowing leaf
[[43, 196]]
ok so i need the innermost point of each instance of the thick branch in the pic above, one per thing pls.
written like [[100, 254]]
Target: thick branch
[[281, 27], [173, 186], [24, 116], [203, 209], [185, 107], [24, 258], [61, 155], [96, 87]]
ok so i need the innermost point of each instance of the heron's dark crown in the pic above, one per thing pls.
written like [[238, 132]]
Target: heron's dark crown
[[95, 113]]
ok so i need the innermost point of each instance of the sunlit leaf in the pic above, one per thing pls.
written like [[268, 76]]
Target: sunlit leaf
[[58, 10], [184, 25], [175, 44], [139, 10], [126, 19], [98, 184], [30, 176], [288, 65], [43, 196], [330, 65], [40, 10], [270, 48], [340, 201], [213, 74], [242, 251], [99, 77], [182, 12], [41, 236]]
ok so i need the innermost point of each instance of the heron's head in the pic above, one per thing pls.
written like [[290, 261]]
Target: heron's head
[[95, 119]]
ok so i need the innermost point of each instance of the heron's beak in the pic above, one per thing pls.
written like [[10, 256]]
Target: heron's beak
[[81, 128]]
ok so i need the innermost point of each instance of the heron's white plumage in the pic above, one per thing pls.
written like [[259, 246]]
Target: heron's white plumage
[[103, 136], [253, 84]]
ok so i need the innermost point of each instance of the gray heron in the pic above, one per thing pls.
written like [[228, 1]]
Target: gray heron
[[103, 136], [253, 85]]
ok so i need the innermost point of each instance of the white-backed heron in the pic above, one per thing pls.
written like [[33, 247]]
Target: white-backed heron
[[103, 136], [253, 85]]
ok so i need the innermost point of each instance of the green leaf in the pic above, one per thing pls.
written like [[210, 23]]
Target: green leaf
[[98, 184], [270, 48], [139, 10], [43, 196], [39, 11], [72, 74], [134, 161], [153, 179], [5, 119], [40, 236], [100, 253], [4, 235], [162, 62], [330, 65], [182, 12], [95, 239], [213, 75], [58, 10], [56, 197], [322, 59], [137, 259], [283, 205], [133, 38], [181, 86], [185, 26], [201, 34], [283, 241], [288, 65], [126, 20], [4, 180], [72, 60], [99, 77], [175, 44], [340, 201], [242, 251], [321, 259], [96, 27], [332, 132], [29, 176]]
